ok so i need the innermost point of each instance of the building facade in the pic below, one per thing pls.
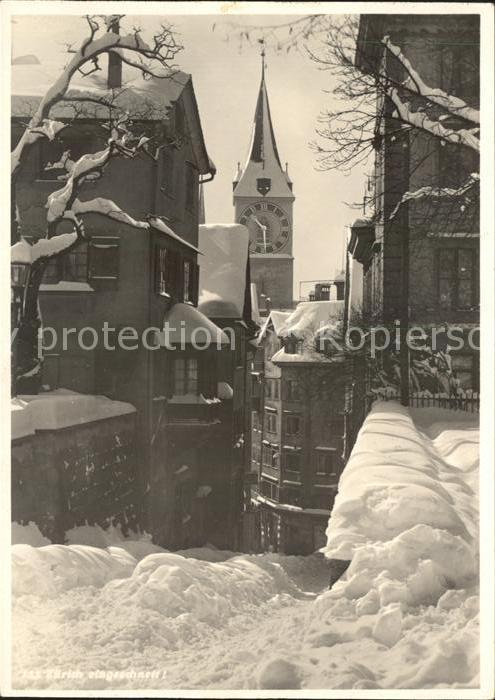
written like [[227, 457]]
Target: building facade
[[141, 287], [420, 258], [263, 201], [299, 439]]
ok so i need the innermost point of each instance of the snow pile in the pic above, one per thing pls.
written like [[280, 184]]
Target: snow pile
[[404, 614], [222, 273], [61, 408], [404, 513], [310, 316], [313, 324], [28, 534]]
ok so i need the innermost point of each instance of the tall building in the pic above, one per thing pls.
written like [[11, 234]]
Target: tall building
[[263, 201], [186, 486], [420, 259], [300, 436]]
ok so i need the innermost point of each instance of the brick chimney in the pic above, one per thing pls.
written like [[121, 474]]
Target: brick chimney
[[114, 79]]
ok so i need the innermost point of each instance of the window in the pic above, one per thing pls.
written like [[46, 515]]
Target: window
[[269, 489], [292, 386], [271, 422], [185, 376], [272, 389], [190, 278], [76, 140], [292, 461], [162, 281], [293, 497], [69, 267], [186, 280], [325, 461], [275, 455], [466, 369], [292, 425], [460, 70], [457, 279], [104, 258], [191, 186]]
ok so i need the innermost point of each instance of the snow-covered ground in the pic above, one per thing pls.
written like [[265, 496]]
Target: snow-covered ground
[[108, 610]]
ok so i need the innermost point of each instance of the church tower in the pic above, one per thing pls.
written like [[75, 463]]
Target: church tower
[[263, 201]]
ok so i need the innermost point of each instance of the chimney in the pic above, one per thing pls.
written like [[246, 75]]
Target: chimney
[[114, 62]]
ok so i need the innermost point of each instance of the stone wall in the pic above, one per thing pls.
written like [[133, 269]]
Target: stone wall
[[67, 476]]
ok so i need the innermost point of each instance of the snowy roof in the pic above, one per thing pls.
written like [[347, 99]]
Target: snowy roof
[[308, 355], [310, 316], [30, 82], [53, 410], [143, 99], [275, 320], [161, 226], [309, 321], [222, 274], [263, 160], [184, 325]]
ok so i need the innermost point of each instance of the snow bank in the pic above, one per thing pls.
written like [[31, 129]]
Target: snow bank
[[61, 408], [28, 534], [404, 515], [404, 614]]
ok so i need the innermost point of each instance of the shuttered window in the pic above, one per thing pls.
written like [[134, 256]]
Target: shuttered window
[[104, 258]]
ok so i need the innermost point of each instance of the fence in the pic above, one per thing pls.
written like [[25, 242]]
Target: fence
[[469, 403]]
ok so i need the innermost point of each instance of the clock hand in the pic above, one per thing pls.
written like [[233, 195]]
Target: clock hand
[[262, 227]]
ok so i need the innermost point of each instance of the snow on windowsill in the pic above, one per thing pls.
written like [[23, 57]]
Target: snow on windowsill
[[193, 399], [66, 286]]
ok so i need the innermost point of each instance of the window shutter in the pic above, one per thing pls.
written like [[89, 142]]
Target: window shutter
[[104, 258], [195, 280]]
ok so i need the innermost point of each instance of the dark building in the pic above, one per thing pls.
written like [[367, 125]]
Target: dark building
[[141, 284], [420, 258]]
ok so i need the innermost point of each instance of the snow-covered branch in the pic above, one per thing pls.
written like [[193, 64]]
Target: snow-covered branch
[[24, 252], [438, 192], [160, 52], [420, 120], [122, 142], [416, 84], [105, 207]]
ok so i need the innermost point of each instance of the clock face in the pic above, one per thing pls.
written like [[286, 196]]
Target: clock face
[[269, 227]]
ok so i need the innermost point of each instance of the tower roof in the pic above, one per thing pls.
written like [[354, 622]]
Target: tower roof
[[263, 160]]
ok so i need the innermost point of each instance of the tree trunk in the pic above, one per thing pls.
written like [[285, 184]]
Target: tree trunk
[[26, 356]]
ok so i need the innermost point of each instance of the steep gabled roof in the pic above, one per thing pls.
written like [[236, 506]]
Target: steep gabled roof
[[263, 160], [146, 100]]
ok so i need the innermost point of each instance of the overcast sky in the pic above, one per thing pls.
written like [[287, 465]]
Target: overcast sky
[[226, 81]]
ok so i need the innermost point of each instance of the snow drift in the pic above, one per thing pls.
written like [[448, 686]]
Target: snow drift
[[404, 614], [404, 514]]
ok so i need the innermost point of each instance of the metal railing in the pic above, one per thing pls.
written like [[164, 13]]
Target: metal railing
[[467, 402]]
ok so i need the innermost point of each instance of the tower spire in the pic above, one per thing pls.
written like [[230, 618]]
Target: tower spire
[[263, 172]]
